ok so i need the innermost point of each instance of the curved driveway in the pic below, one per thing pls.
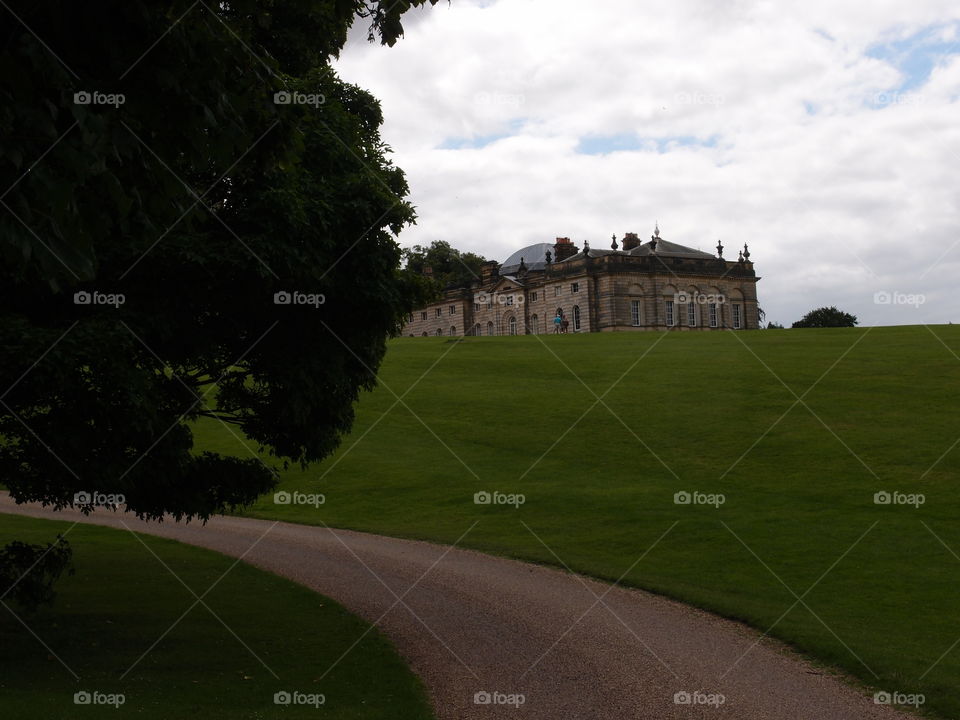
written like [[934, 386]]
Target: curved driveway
[[573, 647]]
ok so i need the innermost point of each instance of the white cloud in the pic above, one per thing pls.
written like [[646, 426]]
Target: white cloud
[[842, 184]]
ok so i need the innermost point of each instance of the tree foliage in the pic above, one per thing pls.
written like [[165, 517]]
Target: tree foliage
[[447, 265], [28, 572], [147, 247], [826, 317]]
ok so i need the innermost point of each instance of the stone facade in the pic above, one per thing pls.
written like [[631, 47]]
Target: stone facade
[[656, 285]]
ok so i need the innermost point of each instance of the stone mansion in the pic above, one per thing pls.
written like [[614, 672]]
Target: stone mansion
[[654, 285]]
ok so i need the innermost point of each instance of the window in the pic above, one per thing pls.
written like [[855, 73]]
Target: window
[[669, 313], [439, 312], [635, 312], [453, 330], [489, 328], [439, 331], [735, 308], [556, 291], [576, 318], [509, 299], [574, 287], [713, 315], [476, 307], [410, 318], [533, 297], [476, 330], [423, 315], [490, 305], [453, 309], [535, 324], [424, 333], [691, 313], [513, 326]]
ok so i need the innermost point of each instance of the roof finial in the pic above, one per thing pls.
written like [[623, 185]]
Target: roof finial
[[719, 250], [656, 229], [586, 248], [613, 245], [746, 252]]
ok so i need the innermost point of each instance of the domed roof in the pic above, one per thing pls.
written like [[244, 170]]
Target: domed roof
[[534, 257]]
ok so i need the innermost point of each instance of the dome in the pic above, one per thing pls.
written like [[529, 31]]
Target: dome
[[534, 257]]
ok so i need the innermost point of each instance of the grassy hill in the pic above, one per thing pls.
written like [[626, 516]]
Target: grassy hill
[[796, 429]]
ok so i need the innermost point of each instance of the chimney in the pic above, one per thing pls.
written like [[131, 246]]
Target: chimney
[[489, 272], [630, 241], [564, 249]]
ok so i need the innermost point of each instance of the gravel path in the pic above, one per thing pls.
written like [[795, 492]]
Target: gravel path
[[574, 648]]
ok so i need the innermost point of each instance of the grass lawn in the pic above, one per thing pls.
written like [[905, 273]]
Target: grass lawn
[[707, 412], [121, 600]]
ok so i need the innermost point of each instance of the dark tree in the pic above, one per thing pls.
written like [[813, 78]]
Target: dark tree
[[826, 317], [194, 207]]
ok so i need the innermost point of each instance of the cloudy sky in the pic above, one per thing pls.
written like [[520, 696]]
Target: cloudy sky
[[824, 133]]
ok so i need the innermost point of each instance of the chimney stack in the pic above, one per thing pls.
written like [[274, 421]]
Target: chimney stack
[[630, 241], [564, 249], [489, 272]]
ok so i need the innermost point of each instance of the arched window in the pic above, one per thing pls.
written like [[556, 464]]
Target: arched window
[[513, 326], [576, 318], [535, 325], [424, 333], [453, 330], [439, 331], [476, 330], [490, 328]]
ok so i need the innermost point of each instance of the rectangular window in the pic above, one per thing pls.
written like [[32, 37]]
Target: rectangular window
[[635, 312], [453, 309], [736, 316], [476, 306], [574, 287], [423, 316], [533, 298], [669, 309], [509, 299], [556, 291], [439, 312], [691, 314], [713, 315]]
